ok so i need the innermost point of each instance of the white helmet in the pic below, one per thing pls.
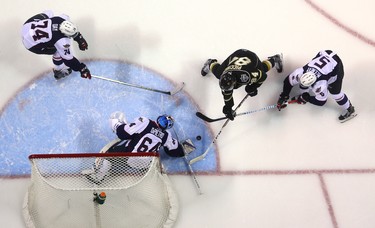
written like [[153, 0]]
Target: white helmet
[[307, 79], [68, 28]]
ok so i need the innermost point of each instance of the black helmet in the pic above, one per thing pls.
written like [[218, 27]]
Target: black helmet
[[227, 81]]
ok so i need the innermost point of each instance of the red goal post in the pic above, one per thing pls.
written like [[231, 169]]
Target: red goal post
[[64, 188]]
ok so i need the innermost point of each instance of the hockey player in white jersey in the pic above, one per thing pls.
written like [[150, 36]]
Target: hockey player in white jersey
[[145, 135], [142, 135], [321, 77], [46, 34]]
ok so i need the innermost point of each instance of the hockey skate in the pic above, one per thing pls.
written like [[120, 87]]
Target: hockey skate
[[206, 67], [58, 74], [90, 175], [97, 172], [93, 178], [349, 114], [278, 62]]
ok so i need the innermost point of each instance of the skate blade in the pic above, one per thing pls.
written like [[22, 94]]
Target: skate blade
[[349, 118]]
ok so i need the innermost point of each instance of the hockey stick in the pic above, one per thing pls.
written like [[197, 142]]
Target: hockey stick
[[176, 90], [192, 173], [200, 157], [208, 119]]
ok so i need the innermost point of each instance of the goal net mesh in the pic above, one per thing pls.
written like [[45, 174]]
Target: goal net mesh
[[63, 189]]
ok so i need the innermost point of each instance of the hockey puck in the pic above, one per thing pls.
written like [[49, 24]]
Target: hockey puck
[[198, 137]]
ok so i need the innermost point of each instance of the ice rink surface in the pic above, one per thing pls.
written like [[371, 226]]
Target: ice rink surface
[[290, 169]]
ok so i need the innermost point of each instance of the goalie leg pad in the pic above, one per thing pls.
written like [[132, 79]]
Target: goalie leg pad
[[98, 172]]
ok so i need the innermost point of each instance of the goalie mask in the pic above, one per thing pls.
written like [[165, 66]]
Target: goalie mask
[[165, 122], [227, 81], [68, 28], [307, 79]]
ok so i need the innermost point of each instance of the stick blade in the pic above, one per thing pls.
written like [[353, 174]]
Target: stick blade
[[177, 89], [203, 117], [208, 119], [196, 159]]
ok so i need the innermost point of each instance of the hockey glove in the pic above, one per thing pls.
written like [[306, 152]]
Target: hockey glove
[[85, 72], [251, 90], [82, 44], [229, 113], [282, 102], [117, 119], [302, 99]]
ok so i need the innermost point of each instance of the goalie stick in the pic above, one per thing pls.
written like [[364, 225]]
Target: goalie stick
[[176, 90], [200, 157], [188, 147], [192, 173], [208, 119]]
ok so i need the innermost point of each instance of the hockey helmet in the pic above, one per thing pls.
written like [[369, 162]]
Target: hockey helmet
[[68, 28], [307, 79], [165, 121], [227, 81]]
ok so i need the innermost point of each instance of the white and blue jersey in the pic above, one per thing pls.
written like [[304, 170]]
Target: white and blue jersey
[[144, 135], [328, 68]]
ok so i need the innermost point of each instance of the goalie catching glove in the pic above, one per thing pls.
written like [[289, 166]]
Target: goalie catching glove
[[116, 119]]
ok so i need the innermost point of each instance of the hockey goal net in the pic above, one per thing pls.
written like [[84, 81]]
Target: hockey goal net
[[64, 191]]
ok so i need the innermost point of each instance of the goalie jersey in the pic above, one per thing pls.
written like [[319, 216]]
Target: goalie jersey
[[144, 135]]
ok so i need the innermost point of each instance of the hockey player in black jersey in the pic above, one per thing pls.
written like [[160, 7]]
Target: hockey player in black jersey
[[321, 77], [243, 67], [45, 34]]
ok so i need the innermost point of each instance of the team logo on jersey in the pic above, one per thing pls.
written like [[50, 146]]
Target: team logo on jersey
[[66, 46], [244, 78]]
